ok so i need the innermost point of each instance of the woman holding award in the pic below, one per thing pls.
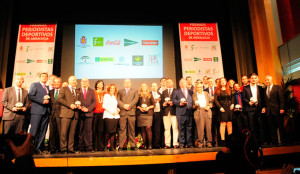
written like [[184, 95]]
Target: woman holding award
[[145, 114], [111, 115], [224, 101]]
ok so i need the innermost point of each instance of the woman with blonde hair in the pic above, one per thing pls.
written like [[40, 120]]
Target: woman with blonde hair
[[224, 101], [145, 114]]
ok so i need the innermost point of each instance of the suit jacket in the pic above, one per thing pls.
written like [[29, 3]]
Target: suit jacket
[[186, 109], [275, 102], [36, 95], [89, 102], [55, 105], [9, 100], [247, 94], [131, 98], [208, 103], [66, 98], [168, 108]]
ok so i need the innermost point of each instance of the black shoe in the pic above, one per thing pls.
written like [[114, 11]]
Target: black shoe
[[63, 152], [71, 152], [53, 152]]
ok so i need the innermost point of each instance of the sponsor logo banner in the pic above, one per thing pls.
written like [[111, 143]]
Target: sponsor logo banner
[[128, 42], [149, 42]]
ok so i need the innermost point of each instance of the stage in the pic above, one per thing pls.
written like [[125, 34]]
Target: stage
[[144, 157]]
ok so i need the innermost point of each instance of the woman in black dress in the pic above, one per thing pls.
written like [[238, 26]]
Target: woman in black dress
[[224, 101], [145, 114]]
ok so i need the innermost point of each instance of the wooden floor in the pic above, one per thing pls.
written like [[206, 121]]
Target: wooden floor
[[143, 157]]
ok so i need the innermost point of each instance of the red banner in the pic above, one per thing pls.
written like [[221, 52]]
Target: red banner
[[37, 33], [198, 32]]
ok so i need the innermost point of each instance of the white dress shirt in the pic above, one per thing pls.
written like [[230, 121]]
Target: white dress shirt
[[16, 88], [254, 91], [201, 100], [110, 104]]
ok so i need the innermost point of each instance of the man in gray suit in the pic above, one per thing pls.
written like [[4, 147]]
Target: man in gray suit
[[68, 97], [127, 100], [15, 102], [202, 115]]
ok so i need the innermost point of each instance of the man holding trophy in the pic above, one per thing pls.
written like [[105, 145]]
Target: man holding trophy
[[68, 97], [15, 102], [40, 110], [169, 115], [253, 104]]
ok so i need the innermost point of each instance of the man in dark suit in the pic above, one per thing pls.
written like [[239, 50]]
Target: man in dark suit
[[54, 123], [14, 115], [169, 115], [253, 105], [182, 99], [127, 100], [88, 103], [68, 98], [40, 110], [157, 118], [274, 100]]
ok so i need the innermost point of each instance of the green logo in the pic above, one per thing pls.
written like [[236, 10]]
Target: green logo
[[137, 60], [29, 61], [50, 61], [216, 59], [104, 59], [128, 42], [97, 41], [197, 59]]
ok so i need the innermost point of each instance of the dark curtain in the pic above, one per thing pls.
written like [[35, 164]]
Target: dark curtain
[[6, 8], [242, 38]]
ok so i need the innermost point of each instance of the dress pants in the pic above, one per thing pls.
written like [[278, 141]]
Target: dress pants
[[203, 122], [156, 127], [170, 120], [38, 129], [127, 121], [185, 129], [67, 133], [85, 133], [99, 131], [54, 126], [276, 122], [14, 126]]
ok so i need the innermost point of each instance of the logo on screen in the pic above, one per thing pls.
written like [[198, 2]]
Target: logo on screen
[[128, 42], [104, 59], [197, 59], [137, 60], [216, 59], [97, 41], [153, 60], [83, 40], [149, 42]]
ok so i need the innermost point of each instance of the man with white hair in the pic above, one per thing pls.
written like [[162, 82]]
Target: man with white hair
[[274, 100], [182, 99], [15, 102]]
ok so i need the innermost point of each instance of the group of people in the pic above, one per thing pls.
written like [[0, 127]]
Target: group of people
[[86, 119]]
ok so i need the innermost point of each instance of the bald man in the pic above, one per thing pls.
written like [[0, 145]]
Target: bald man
[[13, 116], [68, 98]]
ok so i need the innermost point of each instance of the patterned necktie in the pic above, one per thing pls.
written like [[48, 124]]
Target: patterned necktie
[[56, 94], [268, 91]]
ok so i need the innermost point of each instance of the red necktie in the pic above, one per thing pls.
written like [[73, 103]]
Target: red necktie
[[84, 93], [240, 101], [45, 89]]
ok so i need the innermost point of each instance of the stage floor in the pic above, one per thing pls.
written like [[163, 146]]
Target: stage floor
[[143, 157]]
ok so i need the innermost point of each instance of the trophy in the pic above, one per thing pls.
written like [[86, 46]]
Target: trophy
[[167, 99], [77, 104], [183, 100], [19, 106], [46, 97], [238, 107], [197, 103], [254, 100], [144, 106]]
